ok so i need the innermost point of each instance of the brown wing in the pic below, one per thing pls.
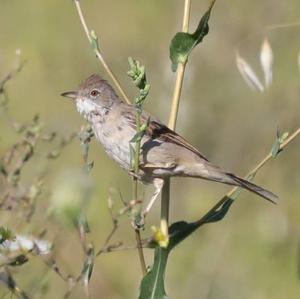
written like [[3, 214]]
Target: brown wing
[[157, 130]]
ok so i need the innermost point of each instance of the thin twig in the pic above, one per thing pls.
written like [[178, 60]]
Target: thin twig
[[108, 238], [138, 234], [252, 172], [140, 251], [11, 74], [98, 53], [120, 247]]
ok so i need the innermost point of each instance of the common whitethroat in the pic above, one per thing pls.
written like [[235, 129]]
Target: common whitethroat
[[164, 153]]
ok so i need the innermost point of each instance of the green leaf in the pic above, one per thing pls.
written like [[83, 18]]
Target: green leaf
[[220, 213], [5, 234], [152, 285], [88, 266], [179, 231], [94, 40], [137, 73], [183, 43], [276, 149], [137, 137]]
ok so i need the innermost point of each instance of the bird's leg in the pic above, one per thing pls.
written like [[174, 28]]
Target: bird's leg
[[158, 184]]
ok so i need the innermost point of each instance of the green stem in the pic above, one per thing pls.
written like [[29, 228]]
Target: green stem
[[140, 251], [165, 200], [138, 142], [135, 190]]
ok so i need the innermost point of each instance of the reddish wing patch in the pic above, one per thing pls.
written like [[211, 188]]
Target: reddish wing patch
[[162, 132], [157, 130]]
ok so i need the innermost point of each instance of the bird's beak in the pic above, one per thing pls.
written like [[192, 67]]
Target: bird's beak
[[70, 94]]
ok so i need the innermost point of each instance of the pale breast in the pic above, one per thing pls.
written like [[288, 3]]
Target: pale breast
[[114, 140]]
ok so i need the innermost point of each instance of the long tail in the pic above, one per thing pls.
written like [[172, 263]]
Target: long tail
[[234, 180], [215, 173], [211, 172]]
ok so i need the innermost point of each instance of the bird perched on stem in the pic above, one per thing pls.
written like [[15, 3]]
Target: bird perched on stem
[[164, 153]]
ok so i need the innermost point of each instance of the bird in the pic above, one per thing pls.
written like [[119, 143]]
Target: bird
[[164, 153]]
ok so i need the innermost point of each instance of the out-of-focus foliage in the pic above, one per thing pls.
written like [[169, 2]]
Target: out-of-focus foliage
[[253, 252]]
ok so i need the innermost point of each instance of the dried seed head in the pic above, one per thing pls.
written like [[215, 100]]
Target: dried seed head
[[248, 74], [266, 60]]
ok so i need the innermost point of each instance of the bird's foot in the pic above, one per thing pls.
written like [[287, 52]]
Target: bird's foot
[[138, 222]]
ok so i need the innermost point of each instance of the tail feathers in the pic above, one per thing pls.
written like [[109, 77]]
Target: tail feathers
[[253, 188]]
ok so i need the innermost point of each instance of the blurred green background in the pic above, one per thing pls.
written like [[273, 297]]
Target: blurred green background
[[253, 252]]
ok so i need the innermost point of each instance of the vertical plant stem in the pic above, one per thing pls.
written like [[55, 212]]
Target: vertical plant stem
[[165, 202], [135, 190], [140, 251], [138, 142], [176, 96]]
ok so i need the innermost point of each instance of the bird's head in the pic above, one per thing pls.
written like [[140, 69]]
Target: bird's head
[[93, 95]]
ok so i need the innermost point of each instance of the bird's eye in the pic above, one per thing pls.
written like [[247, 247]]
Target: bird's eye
[[94, 92]]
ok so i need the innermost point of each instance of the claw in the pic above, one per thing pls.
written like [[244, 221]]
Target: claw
[[158, 184]]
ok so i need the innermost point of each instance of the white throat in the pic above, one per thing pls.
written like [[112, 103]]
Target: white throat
[[85, 107]]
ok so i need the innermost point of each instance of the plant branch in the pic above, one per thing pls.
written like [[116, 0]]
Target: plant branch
[[140, 251], [180, 71], [251, 173], [138, 75], [11, 75], [135, 193], [165, 201], [98, 53]]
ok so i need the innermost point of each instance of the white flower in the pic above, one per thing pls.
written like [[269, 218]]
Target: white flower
[[27, 244]]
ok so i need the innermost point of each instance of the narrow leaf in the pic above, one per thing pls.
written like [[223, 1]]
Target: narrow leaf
[[88, 266], [220, 213], [94, 40], [248, 74], [179, 231], [266, 60], [137, 137], [276, 149]]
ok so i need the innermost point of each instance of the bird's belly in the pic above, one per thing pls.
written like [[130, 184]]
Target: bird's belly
[[117, 147]]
